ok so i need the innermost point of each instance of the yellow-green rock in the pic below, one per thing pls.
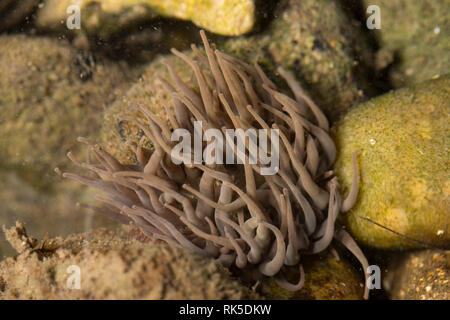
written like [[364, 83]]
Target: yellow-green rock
[[404, 165], [104, 17]]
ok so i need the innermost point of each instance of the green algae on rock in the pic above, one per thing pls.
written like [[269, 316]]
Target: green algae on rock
[[317, 41], [113, 266], [405, 186], [48, 98], [327, 278], [105, 17], [417, 34]]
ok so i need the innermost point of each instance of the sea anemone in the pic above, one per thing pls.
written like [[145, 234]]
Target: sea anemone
[[230, 212]]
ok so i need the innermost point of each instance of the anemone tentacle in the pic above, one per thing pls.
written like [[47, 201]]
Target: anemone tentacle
[[231, 213]]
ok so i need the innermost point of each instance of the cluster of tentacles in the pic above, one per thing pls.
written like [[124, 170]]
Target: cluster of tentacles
[[231, 213]]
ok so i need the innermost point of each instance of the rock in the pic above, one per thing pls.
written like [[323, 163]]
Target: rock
[[325, 49], [326, 278], [404, 164], [417, 33], [49, 95], [112, 266], [106, 17], [419, 275], [13, 13]]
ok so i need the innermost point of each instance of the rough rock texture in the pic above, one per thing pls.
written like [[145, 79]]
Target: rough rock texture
[[404, 136], [317, 41], [106, 17], [112, 266], [149, 271], [326, 278], [419, 275], [416, 36]]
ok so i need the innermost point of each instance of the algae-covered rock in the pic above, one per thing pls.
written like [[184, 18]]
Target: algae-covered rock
[[419, 275], [326, 278], [106, 17], [111, 266], [404, 136], [417, 34], [324, 48]]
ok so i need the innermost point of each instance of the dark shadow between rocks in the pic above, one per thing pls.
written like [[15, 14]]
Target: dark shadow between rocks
[[356, 10]]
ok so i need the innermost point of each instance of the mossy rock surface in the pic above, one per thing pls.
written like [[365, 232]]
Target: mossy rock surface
[[405, 186], [416, 35]]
